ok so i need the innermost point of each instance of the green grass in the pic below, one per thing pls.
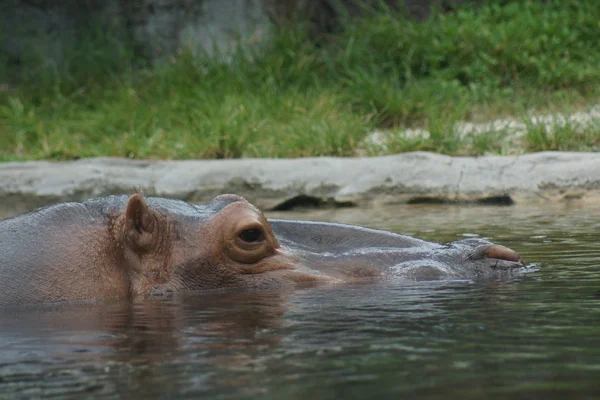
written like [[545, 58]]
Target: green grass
[[299, 95], [169, 125], [566, 136]]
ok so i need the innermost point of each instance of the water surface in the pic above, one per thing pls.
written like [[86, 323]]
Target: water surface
[[535, 336]]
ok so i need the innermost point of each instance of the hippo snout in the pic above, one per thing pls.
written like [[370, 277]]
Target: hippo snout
[[496, 256]]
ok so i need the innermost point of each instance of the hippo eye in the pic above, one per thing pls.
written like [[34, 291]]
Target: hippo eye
[[251, 235]]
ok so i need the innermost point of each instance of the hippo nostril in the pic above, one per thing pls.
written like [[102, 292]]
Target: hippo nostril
[[494, 251], [502, 253]]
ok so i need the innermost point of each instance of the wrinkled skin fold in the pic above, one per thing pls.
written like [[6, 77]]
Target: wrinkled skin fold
[[130, 246]]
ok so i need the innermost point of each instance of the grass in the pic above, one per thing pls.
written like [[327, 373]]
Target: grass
[[300, 95], [169, 125], [562, 135]]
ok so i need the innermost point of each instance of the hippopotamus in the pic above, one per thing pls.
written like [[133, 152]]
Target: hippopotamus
[[131, 246]]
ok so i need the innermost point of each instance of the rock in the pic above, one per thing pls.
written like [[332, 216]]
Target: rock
[[327, 181], [48, 31]]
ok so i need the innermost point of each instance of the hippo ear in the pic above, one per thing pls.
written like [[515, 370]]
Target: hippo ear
[[140, 224]]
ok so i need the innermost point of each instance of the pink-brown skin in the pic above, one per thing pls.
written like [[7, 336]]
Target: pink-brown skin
[[129, 247]]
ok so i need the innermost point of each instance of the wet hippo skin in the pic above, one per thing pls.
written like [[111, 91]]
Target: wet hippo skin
[[129, 246]]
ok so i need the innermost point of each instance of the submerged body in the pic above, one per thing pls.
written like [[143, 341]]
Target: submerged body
[[121, 246]]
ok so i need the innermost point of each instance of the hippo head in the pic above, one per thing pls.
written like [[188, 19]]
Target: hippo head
[[170, 245]]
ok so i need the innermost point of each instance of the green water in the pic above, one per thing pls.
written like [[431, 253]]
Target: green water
[[535, 336]]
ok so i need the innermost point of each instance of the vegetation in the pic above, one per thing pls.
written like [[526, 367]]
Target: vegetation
[[300, 95]]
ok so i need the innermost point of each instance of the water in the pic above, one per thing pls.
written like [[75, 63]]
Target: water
[[536, 336]]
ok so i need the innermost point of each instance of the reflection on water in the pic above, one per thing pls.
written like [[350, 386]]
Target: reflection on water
[[536, 336]]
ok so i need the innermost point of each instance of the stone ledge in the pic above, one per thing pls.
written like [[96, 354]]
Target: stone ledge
[[325, 181]]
